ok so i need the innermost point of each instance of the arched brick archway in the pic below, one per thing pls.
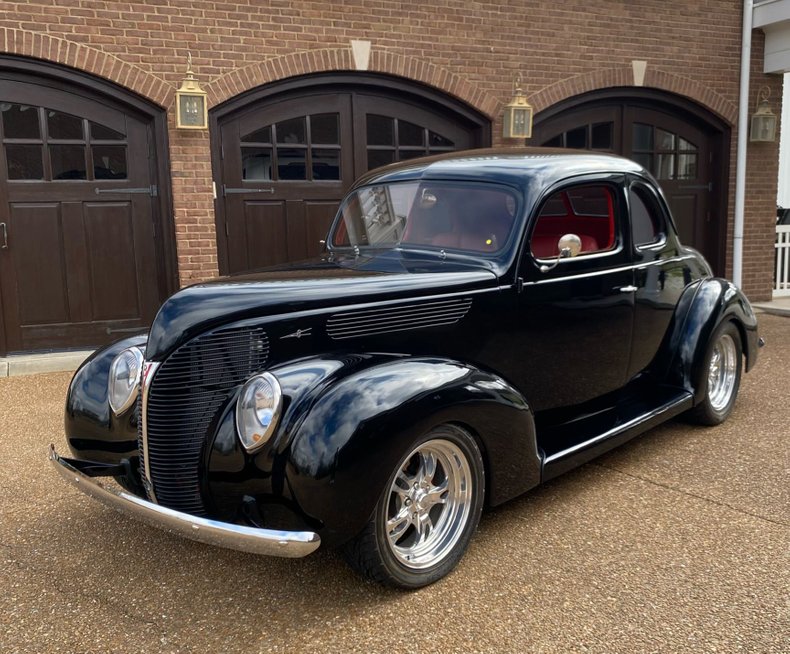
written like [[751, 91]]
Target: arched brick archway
[[326, 60], [624, 77], [90, 60]]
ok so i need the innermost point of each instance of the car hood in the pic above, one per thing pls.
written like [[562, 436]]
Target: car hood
[[333, 281]]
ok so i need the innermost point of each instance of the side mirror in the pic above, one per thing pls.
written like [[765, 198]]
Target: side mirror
[[569, 246]]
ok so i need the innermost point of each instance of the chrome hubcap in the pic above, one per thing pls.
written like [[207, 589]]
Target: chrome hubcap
[[722, 372], [429, 504]]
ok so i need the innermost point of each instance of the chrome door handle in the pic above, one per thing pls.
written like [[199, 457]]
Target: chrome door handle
[[628, 289], [4, 227]]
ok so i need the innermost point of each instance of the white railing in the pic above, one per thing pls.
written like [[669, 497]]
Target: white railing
[[782, 270]]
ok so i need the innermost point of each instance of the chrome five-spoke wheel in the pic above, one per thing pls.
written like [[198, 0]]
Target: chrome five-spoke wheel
[[429, 504], [721, 376], [722, 372], [427, 513]]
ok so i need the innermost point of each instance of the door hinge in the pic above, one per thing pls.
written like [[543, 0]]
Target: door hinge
[[146, 190], [242, 191]]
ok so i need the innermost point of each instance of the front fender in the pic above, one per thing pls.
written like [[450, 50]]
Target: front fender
[[351, 437], [92, 430], [703, 307]]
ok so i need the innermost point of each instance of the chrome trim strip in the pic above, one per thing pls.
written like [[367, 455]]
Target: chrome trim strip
[[271, 542], [149, 370], [598, 273], [618, 430]]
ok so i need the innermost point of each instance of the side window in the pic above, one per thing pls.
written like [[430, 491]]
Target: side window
[[587, 211], [647, 223]]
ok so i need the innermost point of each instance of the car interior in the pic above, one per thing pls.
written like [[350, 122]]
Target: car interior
[[587, 211]]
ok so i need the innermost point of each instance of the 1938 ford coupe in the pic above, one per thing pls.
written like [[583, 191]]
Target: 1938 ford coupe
[[479, 323]]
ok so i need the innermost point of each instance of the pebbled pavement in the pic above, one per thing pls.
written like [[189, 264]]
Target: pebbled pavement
[[676, 542]]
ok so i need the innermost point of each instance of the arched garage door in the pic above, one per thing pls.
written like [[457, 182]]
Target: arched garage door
[[679, 142], [79, 214], [286, 154]]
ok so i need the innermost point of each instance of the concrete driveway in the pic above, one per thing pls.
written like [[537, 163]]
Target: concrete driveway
[[676, 542]]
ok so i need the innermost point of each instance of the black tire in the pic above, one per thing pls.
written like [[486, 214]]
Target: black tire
[[377, 555], [721, 390]]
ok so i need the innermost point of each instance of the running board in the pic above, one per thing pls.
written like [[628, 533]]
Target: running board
[[571, 457]]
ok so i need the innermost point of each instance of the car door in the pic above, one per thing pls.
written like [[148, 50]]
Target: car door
[[575, 315], [661, 272]]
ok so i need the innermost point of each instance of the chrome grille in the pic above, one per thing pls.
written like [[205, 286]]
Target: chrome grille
[[369, 322], [185, 394]]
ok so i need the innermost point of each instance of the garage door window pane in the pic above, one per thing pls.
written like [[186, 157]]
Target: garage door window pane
[[664, 140], [256, 164], [438, 141], [602, 136], [380, 130], [20, 121], [410, 134], [686, 146], [687, 166], [24, 162], [291, 131], [64, 126], [68, 161], [643, 159], [576, 138], [109, 162], [326, 164], [643, 137], [102, 133], [263, 135], [324, 129], [378, 158], [666, 166], [291, 164]]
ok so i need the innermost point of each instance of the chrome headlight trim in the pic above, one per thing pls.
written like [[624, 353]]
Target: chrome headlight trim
[[122, 392], [258, 410]]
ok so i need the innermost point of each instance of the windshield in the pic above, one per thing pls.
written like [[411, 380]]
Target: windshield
[[449, 215]]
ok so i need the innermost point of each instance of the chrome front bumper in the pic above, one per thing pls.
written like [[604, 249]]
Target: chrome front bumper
[[292, 544]]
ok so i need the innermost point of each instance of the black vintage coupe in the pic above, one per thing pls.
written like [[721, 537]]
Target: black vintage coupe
[[479, 323]]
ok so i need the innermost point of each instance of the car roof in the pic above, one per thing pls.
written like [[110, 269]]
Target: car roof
[[505, 165]]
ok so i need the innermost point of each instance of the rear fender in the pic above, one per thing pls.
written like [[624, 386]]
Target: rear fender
[[702, 308], [350, 438]]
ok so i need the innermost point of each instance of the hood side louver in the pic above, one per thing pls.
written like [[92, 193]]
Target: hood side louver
[[404, 317]]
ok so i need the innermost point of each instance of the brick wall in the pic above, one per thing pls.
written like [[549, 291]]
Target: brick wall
[[469, 49]]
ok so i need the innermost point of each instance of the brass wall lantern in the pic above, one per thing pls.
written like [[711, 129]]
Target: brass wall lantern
[[763, 129], [517, 120], [191, 105]]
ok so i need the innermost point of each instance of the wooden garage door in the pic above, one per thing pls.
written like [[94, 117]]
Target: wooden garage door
[[681, 151], [285, 164], [77, 257]]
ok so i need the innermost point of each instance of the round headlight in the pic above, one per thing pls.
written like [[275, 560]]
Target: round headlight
[[124, 381], [258, 410]]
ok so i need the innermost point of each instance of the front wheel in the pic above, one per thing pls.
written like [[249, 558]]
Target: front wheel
[[722, 376], [427, 514]]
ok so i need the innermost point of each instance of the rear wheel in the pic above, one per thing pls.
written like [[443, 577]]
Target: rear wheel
[[721, 376], [427, 514]]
